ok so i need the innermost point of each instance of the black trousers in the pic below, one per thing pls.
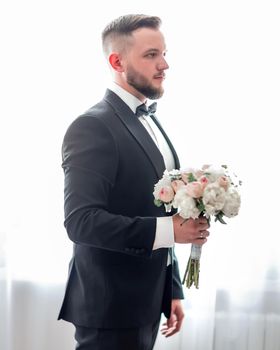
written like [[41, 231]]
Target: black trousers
[[142, 338]]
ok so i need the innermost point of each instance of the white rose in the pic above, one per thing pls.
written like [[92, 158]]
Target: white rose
[[189, 170], [232, 203], [213, 198], [174, 172], [163, 182], [179, 196], [213, 173], [185, 204]]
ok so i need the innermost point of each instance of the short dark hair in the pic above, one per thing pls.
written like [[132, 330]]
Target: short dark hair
[[122, 27]]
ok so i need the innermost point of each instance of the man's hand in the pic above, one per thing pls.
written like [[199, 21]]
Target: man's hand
[[190, 231], [174, 323]]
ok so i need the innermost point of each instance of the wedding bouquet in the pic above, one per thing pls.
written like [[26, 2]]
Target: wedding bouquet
[[208, 192]]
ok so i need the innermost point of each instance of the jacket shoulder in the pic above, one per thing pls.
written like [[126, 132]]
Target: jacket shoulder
[[92, 120]]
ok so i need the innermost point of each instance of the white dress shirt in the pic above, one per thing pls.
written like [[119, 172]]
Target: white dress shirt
[[164, 237]]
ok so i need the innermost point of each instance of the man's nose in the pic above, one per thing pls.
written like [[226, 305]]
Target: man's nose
[[162, 65]]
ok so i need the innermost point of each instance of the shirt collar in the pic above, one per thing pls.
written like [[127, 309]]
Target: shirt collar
[[132, 101]]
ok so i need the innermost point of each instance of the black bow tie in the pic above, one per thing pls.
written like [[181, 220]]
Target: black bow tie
[[143, 110]]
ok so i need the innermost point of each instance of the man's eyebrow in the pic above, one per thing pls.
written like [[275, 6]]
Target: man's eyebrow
[[153, 50]]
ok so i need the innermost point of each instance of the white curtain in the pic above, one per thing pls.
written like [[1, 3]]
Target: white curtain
[[221, 105]]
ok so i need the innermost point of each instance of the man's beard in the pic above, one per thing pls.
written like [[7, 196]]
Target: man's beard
[[141, 84]]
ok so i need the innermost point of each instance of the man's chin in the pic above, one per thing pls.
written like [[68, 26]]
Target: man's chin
[[155, 92], [150, 92], [158, 94]]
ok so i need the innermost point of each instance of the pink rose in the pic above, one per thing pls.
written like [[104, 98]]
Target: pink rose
[[166, 194], [204, 181], [223, 182], [199, 173], [176, 184], [194, 189], [185, 177]]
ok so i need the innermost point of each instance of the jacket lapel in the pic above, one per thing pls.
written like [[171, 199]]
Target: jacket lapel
[[176, 159], [137, 130]]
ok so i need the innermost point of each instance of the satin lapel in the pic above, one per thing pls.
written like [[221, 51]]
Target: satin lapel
[[138, 131], [176, 159]]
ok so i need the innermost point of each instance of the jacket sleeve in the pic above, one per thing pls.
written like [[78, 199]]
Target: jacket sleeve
[[177, 290], [90, 163]]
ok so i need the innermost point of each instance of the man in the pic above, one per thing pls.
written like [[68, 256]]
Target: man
[[123, 273]]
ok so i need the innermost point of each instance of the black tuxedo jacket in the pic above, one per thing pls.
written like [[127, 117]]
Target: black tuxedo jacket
[[111, 165]]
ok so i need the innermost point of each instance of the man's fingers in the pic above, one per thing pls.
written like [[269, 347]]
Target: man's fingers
[[174, 323], [171, 328], [171, 321], [168, 332]]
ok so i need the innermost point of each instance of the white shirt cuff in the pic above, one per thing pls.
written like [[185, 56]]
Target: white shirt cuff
[[164, 233]]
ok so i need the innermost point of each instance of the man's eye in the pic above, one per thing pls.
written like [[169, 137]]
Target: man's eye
[[152, 54]]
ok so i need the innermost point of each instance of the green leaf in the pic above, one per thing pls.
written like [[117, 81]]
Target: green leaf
[[200, 205], [158, 202], [219, 217], [191, 178]]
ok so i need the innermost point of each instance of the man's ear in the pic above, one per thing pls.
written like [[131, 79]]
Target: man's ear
[[115, 62]]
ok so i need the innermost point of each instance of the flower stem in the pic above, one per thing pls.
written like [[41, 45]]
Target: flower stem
[[191, 275]]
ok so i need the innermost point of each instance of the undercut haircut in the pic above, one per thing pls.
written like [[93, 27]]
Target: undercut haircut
[[118, 32]]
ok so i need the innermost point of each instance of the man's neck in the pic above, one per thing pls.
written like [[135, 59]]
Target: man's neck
[[132, 101]]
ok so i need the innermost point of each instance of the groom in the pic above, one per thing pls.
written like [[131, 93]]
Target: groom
[[123, 273]]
